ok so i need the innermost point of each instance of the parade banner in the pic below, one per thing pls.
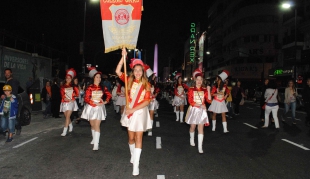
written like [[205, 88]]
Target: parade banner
[[120, 23]]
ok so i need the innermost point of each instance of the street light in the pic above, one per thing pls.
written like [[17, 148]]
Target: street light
[[83, 57], [288, 5]]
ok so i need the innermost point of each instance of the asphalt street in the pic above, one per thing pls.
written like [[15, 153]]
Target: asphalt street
[[247, 151]]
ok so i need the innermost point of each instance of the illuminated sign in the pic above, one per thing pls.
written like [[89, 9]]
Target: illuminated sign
[[192, 43], [282, 72]]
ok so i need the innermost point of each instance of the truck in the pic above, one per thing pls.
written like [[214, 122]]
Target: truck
[[25, 65]]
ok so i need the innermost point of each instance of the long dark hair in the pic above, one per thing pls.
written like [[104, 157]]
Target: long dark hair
[[151, 81], [220, 87]]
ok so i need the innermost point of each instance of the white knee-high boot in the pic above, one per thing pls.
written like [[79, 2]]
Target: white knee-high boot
[[96, 140], [150, 133], [225, 127], [192, 138], [136, 161], [213, 125], [64, 133], [92, 134], [181, 116], [177, 114], [200, 140], [70, 127], [132, 148]]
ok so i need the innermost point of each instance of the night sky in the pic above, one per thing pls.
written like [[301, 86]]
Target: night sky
[[59, 24]]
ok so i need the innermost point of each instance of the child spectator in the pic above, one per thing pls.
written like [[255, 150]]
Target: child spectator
[[8, 110]]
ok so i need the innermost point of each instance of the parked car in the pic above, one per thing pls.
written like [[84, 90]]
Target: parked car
[[299, 101], [24, 105]]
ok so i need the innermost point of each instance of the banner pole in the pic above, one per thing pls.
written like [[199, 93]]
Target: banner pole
[[126, 86]]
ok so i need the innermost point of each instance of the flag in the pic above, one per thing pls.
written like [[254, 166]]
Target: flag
[[120, 23]]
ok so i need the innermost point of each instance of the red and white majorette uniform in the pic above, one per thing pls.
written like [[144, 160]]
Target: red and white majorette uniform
[[94, 94], [69, 92], [154, 105], [140, 120], [197, 115], [121, 100], [154, 89], [179, 93], [218, 103]]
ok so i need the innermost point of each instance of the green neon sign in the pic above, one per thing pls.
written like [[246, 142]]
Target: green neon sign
[[278, 72]]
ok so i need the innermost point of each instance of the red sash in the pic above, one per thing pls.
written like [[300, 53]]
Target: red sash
[[136, 100]]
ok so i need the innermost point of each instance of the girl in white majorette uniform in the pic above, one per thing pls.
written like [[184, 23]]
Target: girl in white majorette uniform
[[68, 92], [196, 114], [179, 97], [136, 116], [153, 106], [121, 100], [219, 92], [94, 110], [115, 96]]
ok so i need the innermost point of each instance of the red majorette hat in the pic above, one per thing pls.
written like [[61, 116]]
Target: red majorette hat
[[177, 75], [135, 61], [148, 70], [197, 72], [93, 71], [71, 72], [224, 75]]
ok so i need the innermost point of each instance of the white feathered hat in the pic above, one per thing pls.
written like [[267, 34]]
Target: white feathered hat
[[148, 70], [224, 75], [92, 72]]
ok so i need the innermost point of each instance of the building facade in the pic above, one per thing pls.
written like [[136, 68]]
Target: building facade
[[243, 38]]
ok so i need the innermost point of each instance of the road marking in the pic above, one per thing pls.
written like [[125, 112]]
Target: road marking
[[157, 124], [295, 118], [19, 145], [301, 112], [158, 142], [160, 176], [300, 146], [250, 125]]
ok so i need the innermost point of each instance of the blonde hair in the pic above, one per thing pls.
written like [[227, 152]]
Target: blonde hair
[[143, 79]]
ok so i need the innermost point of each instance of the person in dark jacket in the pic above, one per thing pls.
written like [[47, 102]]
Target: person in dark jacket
[[46, 95], [306, 100], [14, 84], [55, 99], [237, 94]]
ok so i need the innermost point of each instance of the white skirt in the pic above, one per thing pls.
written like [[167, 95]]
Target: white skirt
[[196, 115], [93, 113], [68, 106], [121, 101], [139, 121], [177, 101], [153, 105], [218, 107]]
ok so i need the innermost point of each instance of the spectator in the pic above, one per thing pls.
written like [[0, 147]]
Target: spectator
[[14, 84], [46, 95], [237, 95], [8, 110], [271, 104], [306, 100], [56, 99], [290, 100]]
